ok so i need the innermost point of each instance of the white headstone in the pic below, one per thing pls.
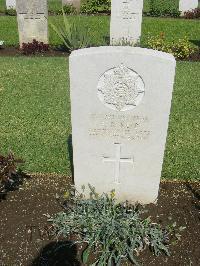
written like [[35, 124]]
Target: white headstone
[[10, 4], [187, 5], [120, 101], [32, 16], [75, 3], [126, 20]]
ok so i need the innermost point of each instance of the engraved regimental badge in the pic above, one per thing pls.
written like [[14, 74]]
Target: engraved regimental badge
[[120, 88]]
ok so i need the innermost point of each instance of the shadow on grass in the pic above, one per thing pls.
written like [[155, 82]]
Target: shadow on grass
[[70, 153], [195, 42], [60, 48], [106, 39], [17, 181], [61, 253]]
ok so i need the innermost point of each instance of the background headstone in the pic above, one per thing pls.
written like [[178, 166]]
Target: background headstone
[[10, 4], [32, 17], [75, 3], [126, 20], [187, 5], [120, 110]]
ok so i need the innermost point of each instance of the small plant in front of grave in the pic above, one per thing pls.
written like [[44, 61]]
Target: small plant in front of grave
[[68, 9], [157, 42], [8, 172], [181, 49], [163, 8], [193, 14], [96, 6], [73, 35], [124, 42], [111, 231], [1, 44], [34, 47], [10, 12]]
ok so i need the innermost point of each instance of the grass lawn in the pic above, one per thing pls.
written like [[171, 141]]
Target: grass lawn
[[2, 5], [99, 28], [35, 116], [35, 111], [52, 5], [56, 4]]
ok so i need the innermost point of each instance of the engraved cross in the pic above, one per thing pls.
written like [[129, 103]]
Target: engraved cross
[[117, 161]]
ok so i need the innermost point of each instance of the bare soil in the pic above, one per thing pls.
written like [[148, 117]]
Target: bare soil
[[24, 239], [15, 51]]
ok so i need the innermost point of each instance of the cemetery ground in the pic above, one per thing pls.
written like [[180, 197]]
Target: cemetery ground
[[24, 238], [35, 116], [54, 5], [98, 26], [35, 125]]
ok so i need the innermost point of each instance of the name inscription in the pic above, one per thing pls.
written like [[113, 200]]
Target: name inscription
[[127, 11], [127, 127]]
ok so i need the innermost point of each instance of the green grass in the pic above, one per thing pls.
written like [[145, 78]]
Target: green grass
[[35, 116], [99, 28], [52, 5], [35, 111], [182, 157], [2, 5], [161, 4], [56, 4]]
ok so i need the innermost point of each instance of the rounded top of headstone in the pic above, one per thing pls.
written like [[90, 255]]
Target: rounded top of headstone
[[123, 49]]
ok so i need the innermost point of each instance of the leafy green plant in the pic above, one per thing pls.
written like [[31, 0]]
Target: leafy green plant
[[181, 49], [2, 9], [165, 8], [34, 47], [10, 12], [54, 6], [1, 44], [96, 6], [68, 9], [73, 35], [110, 230], [125, 42], [192, 14], [8, 171]]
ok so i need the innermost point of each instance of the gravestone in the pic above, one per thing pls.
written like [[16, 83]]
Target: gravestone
[[187, 5], [126, 20], [32, 16], [10, 4], [75, 3], [120, 101]]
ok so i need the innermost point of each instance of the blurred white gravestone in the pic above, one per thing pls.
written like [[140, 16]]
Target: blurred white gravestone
[[75, 3], [10, 4], [120, 110], [126, 21], [32, 17], [187, 5]]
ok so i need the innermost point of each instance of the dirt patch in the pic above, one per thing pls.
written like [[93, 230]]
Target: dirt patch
[[15, 51], [195, 56], [24, 239]]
